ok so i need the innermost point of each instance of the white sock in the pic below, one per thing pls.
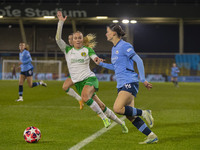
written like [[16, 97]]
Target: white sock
[[95, 107], [72, 93], [110, 114], [20, 97]]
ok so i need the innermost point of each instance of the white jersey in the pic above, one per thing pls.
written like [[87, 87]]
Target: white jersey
[[78, 60]]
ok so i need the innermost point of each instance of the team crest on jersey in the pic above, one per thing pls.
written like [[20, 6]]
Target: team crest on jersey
[[117, 52], [83, 54]]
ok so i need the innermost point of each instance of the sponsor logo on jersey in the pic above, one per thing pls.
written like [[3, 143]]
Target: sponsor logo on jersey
[[128, 50], [77, 60], [114, 59], [83, 54]]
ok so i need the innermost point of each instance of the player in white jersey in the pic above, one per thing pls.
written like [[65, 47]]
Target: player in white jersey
[[68, 82], [78, 59]]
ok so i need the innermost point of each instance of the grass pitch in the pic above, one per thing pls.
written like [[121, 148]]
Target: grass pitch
[[176, 112]]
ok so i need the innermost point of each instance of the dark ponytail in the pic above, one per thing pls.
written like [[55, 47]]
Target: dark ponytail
[[118, 29]]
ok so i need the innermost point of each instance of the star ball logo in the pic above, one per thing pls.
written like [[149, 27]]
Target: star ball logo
[[117, 52]]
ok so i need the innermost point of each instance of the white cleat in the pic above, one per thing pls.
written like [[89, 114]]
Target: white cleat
[[20, 99], [43, 84], [146, 114], [150, 139]]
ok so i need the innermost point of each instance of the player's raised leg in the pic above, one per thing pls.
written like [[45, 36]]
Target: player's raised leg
[[32, 84], [86, 95], [133, 114], [110, 114], [66, 87]]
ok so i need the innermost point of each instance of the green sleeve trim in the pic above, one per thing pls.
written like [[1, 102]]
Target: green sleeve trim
[[68, 48], [90, 51]]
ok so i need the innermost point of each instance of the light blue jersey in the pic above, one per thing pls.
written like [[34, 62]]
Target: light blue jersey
[[122, 58], [174, 71], [26, 60]]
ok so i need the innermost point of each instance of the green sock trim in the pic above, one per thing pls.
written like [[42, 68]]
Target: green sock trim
[[67, 90], [105, 109], [93, 95], [89, 102]]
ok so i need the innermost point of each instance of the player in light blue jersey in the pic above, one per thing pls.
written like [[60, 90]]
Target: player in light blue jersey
[[174, 74], [26, 70], [122, 58]]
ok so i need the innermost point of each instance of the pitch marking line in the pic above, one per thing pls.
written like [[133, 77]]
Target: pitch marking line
[[93, 136]]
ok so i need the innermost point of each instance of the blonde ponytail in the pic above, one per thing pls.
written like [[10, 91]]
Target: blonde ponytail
[[89, 40]]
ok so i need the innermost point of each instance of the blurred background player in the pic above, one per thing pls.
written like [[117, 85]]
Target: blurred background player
[[13, 69], [77, 57], [122, 58], [26, 70], [174, 74]]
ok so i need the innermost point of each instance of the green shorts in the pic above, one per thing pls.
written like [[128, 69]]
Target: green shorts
[[92, 81]]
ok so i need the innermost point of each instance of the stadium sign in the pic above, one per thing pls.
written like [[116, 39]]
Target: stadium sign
[[8, 11], [92, 10]]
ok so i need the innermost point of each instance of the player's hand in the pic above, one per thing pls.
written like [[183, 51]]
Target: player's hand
[[147, 85], [97, 60], [60, 16]]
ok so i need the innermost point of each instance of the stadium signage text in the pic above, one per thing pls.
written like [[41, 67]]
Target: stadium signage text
[[8, 11]]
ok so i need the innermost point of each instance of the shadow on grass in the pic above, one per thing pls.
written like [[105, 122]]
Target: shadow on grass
[[183, 124], [179, 138]]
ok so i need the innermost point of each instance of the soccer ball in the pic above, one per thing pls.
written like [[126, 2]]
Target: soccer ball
[[32, 134]]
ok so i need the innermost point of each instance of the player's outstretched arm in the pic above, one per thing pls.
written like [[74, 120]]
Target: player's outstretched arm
[[61, 43], [100, 62], [60, 16], [148, 85]]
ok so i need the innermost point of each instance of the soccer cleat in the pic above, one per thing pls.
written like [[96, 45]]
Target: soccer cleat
[[146, 114], [124, 128], [20, 99], [150, 139], [43, 84], [106, 122], [81, 103]]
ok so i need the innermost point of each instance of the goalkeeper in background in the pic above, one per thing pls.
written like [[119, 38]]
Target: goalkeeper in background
[[174, 74], [26, 70]]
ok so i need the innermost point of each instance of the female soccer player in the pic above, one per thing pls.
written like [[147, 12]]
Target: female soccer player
[[122, 58], [26, 70], [88, 41], [174, 74], [78, 58], [68, 82]]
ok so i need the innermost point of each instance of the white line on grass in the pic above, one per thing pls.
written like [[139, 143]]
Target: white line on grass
[[93, 136], [37, 106]]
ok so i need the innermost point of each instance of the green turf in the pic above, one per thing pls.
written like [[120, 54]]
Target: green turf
[[176, 112]]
